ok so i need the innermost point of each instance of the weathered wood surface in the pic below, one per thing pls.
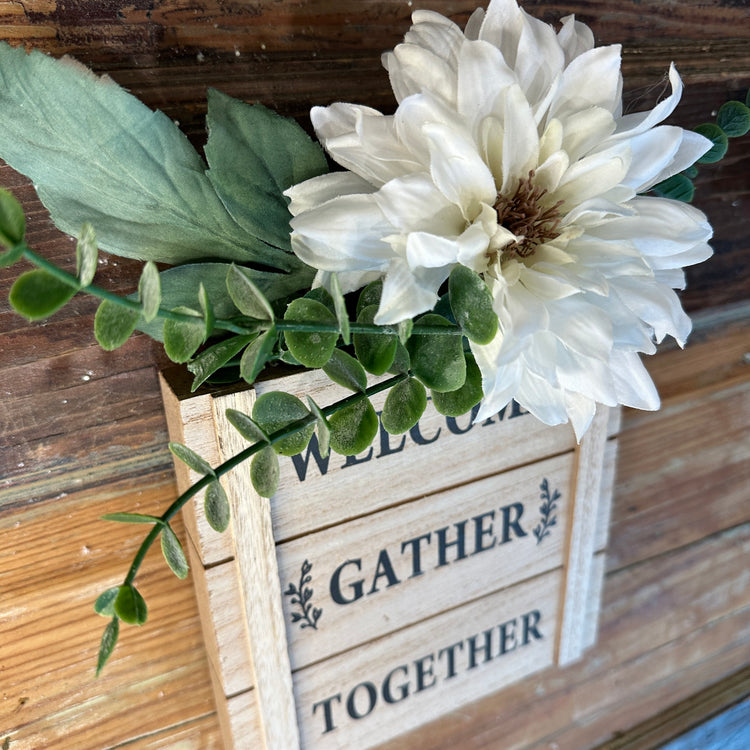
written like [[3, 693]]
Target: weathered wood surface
[[82, 432]]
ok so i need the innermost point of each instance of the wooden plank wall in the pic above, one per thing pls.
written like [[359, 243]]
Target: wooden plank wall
[[82, 432]]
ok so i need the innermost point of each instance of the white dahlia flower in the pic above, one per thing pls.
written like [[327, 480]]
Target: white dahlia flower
[[509, 153]]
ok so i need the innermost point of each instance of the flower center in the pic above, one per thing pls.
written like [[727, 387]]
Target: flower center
[[525, 216]]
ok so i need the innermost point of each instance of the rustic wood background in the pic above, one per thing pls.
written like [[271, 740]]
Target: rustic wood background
[[82, 432]]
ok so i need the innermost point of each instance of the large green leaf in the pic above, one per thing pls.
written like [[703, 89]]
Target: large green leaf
[[95, 153], [254, 155]]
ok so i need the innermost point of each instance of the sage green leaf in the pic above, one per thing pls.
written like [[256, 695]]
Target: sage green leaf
[[246, 296], [9, 257], [458, 402], [107, 643], [105, 602], [216, 507], [405, 327], [173, 552], [37, 294], [191, 458], [276, 410], [12, 220], [254, 155], [87, 254], [374, 350], [257, 354], [207, 309], [130, 606], [113, 324], [183, 337], [343, 369], [246, 426], [131, 518], [264, 472], [149, 291], [215, 357], [437, 360], [471, 303], [353, 428], [96, 153], [311, 348], [322, 295], [401, 362], [734, 119], [404, 405], [678, 187], [370, 295], [719, 139], [342, 315], [324, 431]]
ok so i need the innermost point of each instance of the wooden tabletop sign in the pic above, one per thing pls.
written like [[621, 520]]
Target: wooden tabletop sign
[[374, 593]]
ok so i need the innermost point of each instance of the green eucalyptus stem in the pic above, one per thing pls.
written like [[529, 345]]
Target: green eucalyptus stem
[[243, 456]]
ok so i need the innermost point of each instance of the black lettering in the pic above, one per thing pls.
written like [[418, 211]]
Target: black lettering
[[384, 568], [507, 636], [327, 712], [423, 671], [385, 444], [416, 556], [353, 460], [418, 438], [403, 688], [335, 587], [453, 424], [481, 531], [300, 464], [530, 622], [485, 648], [372, 697], [450, 652], [512, 522], [459, 543]]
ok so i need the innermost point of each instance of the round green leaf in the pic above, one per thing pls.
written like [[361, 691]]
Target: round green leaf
[[37, 294], [679, 187], [458, 402], [87, 255], [105, 602], [183, 337], [130, 606], [275, 410], [343, 369], [257, 354], [312, 349], [437, 360], [173, 552], [216, 507], [322, 295], [401, 362], [264, 472], [12, 220], [471, 303], [404, 405], [734, 119], [719, 139], [108, 643], [370, 295], [113, 324], [353, 428], [374, 350]]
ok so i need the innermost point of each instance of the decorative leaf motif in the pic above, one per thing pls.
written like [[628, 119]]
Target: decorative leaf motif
[[149, 291], [130, 606], [191, 458], [404, 405], [107, 644], [301, 594], [353, 428], [264, 472], [216, 507], [113, 324], [37, 294], [173, 552], [548, 506], [12, 220], [87, 255]]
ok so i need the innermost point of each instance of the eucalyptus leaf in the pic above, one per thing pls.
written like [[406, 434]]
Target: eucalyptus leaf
[[374, 350], [149, 291], [183, 337], [9, 257], [207, 309], [734, 119], [87, 254], [246, 426], [113, 324], [678, 187], [96, 153], [324, 430], [105, 602], [342, 314], [404, 405], [130, 606], [256, 355], [276, 410], [370, 295], [254, 155], [173, 552], [401, 361], [38, 294], [312, 348], [343, 369], [12, 220], [216, 506], [458, 402], [719, 139], [437, 360], [131, 518], [247, 296], [215, 357], [264, 472], [191, 458], [471, 303], [107, 643], [353, 428]]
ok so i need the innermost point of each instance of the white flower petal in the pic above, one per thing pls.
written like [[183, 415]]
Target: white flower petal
[[633, 383], [652, 153], [407, 294], [319, 190], [574, 37]]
